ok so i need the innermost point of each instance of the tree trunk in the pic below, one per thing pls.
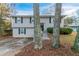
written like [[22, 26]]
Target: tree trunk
[[76, 43], [37, 28], [56, 28]]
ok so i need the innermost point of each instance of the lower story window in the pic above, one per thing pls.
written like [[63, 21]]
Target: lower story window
[[21, 30]]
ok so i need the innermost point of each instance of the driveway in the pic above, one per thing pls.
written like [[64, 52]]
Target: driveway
[[12, 46]]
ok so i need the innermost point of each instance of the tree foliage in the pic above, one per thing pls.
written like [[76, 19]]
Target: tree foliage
[[4, 13], [68, 20]]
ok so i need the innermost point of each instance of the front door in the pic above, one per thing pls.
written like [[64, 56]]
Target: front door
[[42, 26]]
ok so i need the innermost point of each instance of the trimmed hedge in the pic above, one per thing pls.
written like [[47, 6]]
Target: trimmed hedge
[[64, 31], [50, 30]]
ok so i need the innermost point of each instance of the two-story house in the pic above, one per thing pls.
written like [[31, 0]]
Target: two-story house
[[23, 25]]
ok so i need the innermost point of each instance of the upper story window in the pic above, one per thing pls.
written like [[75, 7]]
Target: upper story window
[[49, 19], [18, 19]]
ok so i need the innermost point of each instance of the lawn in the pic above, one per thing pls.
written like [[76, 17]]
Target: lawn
[[66, 42], [68, 39]]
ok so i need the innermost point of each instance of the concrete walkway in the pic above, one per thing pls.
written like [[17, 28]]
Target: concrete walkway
[[45, 36], [11, 47]]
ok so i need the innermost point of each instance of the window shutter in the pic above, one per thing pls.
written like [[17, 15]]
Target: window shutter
[[24, 30], [49, 19], [15, 19], [30, 20], [18, 30], [21, 19]]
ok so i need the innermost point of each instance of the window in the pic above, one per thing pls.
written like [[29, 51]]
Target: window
[[21, 30], [30, 20], [18, 20], [49, 19], [15, 19]]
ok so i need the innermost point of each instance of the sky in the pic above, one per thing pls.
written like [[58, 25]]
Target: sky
[[46, 8]]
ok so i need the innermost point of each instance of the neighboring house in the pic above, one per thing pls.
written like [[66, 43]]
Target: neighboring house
[[74, 26], [23, 25]]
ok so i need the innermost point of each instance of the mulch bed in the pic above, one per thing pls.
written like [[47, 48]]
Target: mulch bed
[[46, 50], [5, 37]]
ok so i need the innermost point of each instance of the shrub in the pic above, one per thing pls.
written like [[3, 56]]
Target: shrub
[[64, 31], [8, 32], [50, 30]]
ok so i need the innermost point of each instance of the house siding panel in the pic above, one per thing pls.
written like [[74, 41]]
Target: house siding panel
[[30, 26], [29, 32]]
